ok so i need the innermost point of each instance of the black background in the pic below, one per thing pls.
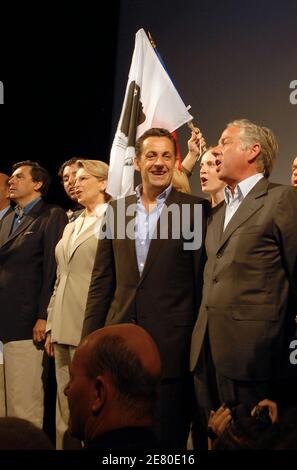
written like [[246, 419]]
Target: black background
[[228, 59], [65, 69], [57, 66]]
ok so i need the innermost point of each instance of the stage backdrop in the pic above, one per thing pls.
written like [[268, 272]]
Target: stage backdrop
[[63, 96], [57, 68], [228, 60]]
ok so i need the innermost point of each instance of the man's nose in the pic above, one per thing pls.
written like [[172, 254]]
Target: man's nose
[[71, 180], [159, 161]]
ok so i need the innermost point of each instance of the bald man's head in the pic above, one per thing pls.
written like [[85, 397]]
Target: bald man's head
[[4, 191], [115, 375], [128, 354], [134, 339]]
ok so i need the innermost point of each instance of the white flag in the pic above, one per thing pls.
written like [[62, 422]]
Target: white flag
[[151, 100]]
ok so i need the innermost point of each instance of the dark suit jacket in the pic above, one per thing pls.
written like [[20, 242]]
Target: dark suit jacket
[[250, 281], [164, 300], [28, 268]]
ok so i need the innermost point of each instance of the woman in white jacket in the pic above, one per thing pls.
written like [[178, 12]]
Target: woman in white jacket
[[75, 255]]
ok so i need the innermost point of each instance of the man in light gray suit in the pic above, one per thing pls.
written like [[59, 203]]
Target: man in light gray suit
[[240, 343]]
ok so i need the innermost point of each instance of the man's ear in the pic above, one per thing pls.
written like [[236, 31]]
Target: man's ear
[[37, 185], [100, 394], [136, 164], [254, 152]]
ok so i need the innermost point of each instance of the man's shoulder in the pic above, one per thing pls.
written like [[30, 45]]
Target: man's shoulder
[[192, 199], [280, 191], [185, 199], [271, 186], [52, 208], [45, 210]]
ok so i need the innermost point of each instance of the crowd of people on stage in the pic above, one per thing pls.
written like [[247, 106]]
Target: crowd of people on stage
[[172, 341]]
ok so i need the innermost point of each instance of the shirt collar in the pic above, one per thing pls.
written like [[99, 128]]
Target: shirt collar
[[161, 198], [20, 211], [242, 189], [229, 196]]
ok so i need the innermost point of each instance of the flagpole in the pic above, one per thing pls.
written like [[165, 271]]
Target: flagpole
[[154, 45]]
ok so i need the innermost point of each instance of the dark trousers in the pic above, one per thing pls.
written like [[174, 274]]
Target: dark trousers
[[173, 412]]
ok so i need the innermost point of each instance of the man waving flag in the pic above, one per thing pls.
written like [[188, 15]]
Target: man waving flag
[[151, 100]]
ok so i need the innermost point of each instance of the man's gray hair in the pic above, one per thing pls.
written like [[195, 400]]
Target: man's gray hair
[[251, 133]]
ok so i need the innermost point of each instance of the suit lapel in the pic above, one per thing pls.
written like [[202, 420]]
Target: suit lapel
[[215, 225], [66, 240], [130, 218], [82, 237], [26, 222], [251, 204]]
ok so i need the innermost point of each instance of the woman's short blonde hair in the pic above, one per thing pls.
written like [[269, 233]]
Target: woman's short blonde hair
[[95, 168]]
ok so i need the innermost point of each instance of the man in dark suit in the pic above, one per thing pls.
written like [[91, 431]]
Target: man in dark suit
[[240, 343], [149, 272], [28, 237]]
